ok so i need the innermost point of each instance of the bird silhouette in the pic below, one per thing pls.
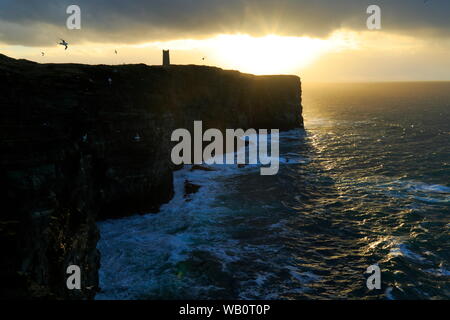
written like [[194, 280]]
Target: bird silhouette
[[42, 53], [115, 51], [64, 43]]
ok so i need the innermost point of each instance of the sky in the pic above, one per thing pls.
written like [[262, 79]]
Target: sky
[[319, 40]]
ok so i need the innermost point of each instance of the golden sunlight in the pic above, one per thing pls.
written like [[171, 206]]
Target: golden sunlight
[[267, 55]]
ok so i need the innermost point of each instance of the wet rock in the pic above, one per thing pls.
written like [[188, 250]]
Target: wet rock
[[190, 188], [201, 168]]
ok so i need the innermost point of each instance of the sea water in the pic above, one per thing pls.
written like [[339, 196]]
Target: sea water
[[366, 183]]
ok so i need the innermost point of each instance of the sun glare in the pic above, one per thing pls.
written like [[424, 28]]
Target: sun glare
[[266, 55], [271, 54]]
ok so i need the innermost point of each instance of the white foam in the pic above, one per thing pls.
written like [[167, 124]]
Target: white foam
[[399, 188], [441, 272], [396, 247], [140, 253], [403, 250]]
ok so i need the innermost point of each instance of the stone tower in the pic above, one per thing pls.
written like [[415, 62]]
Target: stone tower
[[166, 58]]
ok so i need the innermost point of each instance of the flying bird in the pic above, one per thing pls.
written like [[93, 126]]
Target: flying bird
[[42, 53], [64, 43], [115, 51]]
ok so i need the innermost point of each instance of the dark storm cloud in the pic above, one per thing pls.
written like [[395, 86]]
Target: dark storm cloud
[[39, 22]]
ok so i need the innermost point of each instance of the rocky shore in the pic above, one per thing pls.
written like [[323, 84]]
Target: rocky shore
[[81, 143]]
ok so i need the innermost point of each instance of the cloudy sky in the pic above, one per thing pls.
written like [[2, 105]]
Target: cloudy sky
[[320, 40]]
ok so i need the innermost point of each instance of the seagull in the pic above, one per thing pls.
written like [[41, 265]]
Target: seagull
[[64, 43], [42, 53]]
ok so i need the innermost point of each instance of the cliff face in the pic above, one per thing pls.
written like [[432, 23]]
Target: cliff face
[[79, 143]]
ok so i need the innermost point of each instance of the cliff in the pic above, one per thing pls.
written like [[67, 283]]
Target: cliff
[[80, 143]]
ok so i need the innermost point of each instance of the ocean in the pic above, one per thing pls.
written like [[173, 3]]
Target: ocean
[[367, 182]]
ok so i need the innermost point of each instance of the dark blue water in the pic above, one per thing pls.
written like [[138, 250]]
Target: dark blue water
[[367, 183]]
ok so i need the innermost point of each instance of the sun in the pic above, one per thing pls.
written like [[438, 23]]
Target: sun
[[271, 54]]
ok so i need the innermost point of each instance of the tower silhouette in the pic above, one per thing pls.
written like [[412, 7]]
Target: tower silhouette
[[166, 58]]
